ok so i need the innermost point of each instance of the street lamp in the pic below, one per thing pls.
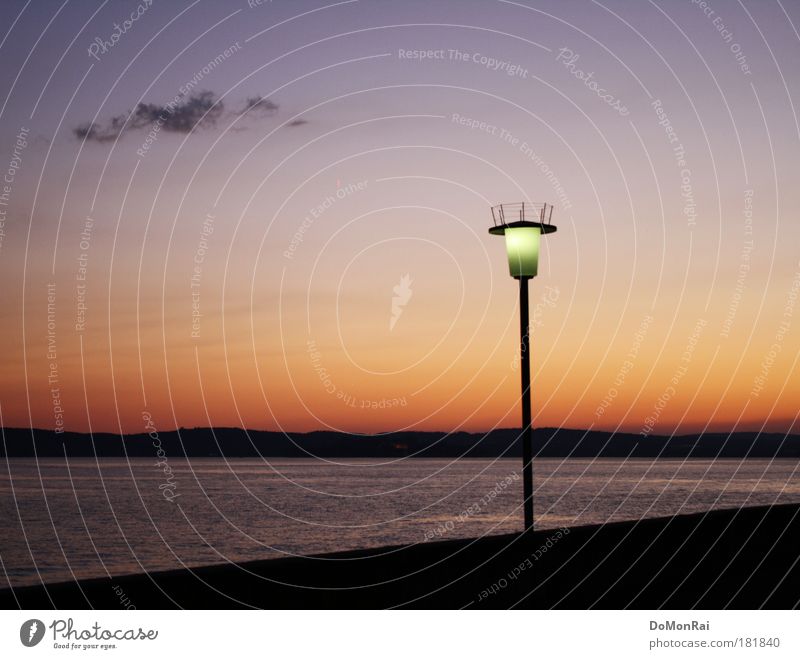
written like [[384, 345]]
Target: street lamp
[[523, 225]]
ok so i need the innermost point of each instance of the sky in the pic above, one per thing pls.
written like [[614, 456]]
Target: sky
[[274, 215]]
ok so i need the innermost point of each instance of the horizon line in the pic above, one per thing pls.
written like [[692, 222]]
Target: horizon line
[[179, 429]]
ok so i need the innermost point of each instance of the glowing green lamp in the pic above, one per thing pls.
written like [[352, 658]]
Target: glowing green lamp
[[529, 222], [522, 245]]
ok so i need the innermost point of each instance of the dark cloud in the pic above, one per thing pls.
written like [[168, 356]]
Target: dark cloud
[[259, 104], [296, 122], [201, 108], [90, 131], [180, 116]]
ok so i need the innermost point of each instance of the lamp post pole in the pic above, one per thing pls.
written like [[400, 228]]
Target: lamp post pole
[[523, 233], [527, 431]]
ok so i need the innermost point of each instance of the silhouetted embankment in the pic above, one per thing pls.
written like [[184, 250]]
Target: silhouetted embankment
[[745, 558]]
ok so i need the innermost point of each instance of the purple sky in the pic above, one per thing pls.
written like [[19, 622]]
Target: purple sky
[[665, 135]]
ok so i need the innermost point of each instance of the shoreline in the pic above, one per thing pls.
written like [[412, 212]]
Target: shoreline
[[744, 558]]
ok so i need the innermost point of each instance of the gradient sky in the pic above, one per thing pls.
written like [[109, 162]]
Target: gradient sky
[[665, 301]]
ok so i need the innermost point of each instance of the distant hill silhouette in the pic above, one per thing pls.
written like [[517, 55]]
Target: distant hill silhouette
[[548, 442]]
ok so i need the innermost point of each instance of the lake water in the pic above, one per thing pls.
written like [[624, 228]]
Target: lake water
[[62, 520]]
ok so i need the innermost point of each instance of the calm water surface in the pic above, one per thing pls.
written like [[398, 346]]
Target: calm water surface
[[82, 518]]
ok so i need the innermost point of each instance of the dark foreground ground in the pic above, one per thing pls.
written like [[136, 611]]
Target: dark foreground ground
[[745, 558]]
